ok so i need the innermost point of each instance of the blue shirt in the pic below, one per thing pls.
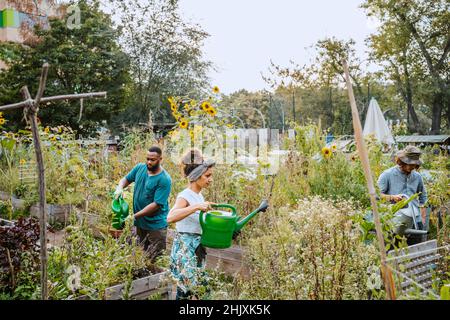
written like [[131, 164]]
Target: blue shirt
[[148, 189], [393, 181]]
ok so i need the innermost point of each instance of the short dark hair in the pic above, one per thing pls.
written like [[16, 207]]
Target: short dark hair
[[155, 149]]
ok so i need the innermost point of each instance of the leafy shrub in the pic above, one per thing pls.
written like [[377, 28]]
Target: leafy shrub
[[312, 252]]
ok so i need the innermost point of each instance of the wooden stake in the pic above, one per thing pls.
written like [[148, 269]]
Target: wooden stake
[[32, 117], [363, 154]]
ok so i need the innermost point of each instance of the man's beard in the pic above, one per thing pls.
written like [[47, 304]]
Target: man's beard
[[153, 168]]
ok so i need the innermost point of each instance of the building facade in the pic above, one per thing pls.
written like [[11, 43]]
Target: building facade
[[17, 15]]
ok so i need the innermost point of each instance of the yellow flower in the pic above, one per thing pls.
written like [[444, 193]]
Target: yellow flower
[[229, 125], [2, 121], [183, 123], [333, 148], [212, 112], [206, 106], [176, 114], [22, 161], [1, 114], [193, 103], [173, 107], [53, 138], [60, 129], [187, 107], [47, 130], [171, 100], [326, 152], [216, 89], [191, 133]]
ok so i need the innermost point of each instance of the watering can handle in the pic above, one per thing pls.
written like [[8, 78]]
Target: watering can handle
[[224, 205], [202, 219]]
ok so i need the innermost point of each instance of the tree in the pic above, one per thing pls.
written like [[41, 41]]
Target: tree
[[165, 52], [393, 48], [251, 107], [84, 59], [426, 22]]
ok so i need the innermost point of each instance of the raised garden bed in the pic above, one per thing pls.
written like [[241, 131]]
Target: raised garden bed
[[56, 213], [228, 260], [152, 286]]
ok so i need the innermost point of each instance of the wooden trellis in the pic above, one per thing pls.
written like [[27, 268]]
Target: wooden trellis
[[31, 109]]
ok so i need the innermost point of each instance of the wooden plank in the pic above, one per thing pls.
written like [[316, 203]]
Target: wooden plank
[[55, 213], [141, 287], [230, 259]]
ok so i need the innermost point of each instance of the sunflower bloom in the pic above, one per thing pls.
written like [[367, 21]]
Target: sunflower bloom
[[2, 121], [326, 152], [333, 148], [183, 123], [193, 103], [53, 138], [22, 161], [171, 100], [47, 130], [206, 106], [212, 112], [173, 107], [187, 107], [216, 89]]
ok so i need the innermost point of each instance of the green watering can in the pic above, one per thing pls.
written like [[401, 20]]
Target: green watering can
[[120, 210], [219, 227]]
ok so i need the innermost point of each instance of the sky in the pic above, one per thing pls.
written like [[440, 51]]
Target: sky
[[246, 34]]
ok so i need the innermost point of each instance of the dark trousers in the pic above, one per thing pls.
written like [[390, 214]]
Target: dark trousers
[[153, 241]]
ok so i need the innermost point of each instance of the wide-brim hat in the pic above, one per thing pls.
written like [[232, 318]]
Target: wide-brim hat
[[410, 155]]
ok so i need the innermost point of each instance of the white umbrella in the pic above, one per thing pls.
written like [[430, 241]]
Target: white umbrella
[[376, 125]]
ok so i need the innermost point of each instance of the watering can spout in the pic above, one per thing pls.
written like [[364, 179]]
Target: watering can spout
[[262, 208]]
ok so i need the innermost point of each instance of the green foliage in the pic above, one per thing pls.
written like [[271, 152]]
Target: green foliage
[[309, 252]]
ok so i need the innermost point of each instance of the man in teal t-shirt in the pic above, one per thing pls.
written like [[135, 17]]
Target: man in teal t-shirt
[[150, 201]]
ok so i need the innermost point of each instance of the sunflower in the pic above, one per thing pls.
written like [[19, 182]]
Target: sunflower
[[53, 138], [187, 107], [183, 123], [216, 89], [2, 121], [326, 152], [193, 103], [333, 148], [191, 133], [212, 112], [47, 130], [1, 114], [171, 100], [173, 107], [206, 106], [22, 161]]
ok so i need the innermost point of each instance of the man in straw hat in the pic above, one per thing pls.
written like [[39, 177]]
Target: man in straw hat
[[403, 181]]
